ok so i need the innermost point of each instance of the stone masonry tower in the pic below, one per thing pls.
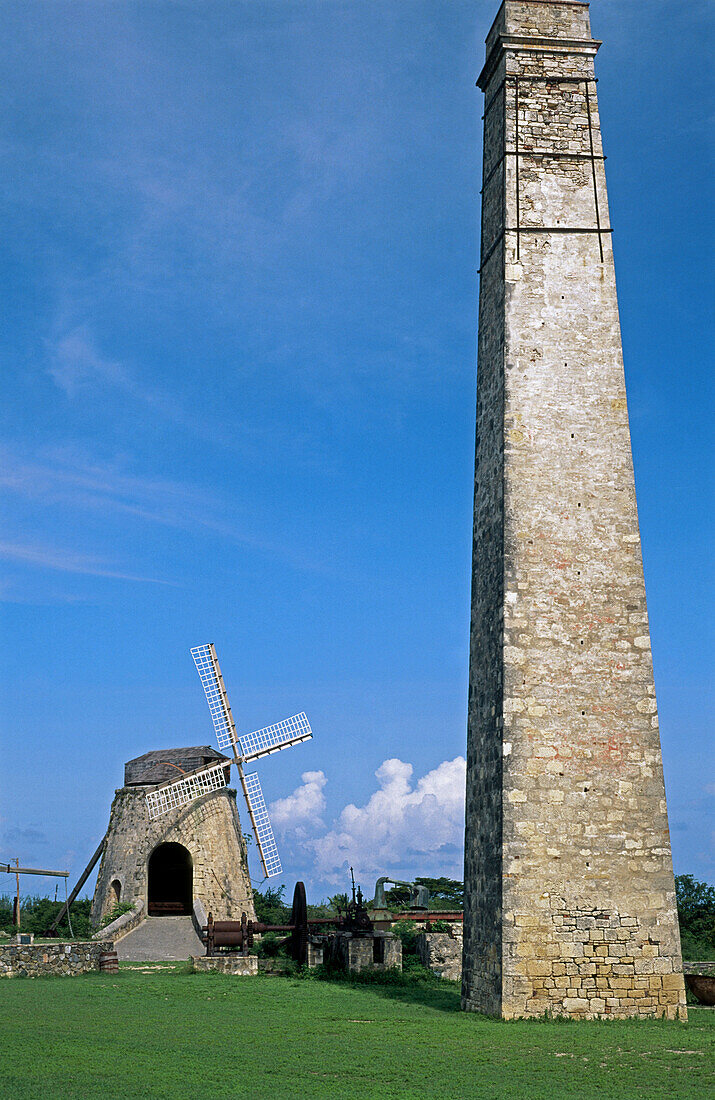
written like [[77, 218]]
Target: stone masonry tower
[[570, 901], [194, 852]]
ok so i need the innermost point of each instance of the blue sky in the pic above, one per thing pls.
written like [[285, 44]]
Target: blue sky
[[238, 402]]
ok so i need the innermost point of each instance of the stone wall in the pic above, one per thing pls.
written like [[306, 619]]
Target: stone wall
[[124, 924], [569, 891], [441, 952], [208, 827], [380, 951], [40, 959], [243, 966]]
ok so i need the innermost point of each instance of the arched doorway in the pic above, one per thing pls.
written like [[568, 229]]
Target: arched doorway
[[115, 893], [170, 881]]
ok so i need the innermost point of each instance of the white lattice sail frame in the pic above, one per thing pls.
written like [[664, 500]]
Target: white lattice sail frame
[[251, 746], [274, 738], [267, 848], [206, 666], [185, 790]]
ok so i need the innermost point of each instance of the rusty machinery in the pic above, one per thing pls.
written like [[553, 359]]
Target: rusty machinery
[[238, 935]]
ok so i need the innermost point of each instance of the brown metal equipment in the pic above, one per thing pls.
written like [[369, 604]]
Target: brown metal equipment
[[232, 934]]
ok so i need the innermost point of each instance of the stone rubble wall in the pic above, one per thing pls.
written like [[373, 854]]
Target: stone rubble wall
[[357, 953], [441, 952], [239, 965], [40, 959]]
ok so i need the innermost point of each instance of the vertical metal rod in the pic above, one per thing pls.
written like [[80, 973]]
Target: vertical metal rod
[[593, 170], [516, 164], [485, 178]]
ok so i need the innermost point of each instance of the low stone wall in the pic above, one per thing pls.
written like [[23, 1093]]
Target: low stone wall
[[122, 925], [239, 965], [40, 959], [441, 952]]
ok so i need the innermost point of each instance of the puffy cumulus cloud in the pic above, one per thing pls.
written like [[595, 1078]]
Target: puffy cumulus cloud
[[303, 807], [402, 826]]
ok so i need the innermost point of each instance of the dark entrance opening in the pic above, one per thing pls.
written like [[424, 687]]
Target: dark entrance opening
[[170, 881]]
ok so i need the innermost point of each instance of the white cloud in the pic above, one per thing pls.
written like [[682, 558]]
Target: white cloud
[[401, 826], [303, 807]]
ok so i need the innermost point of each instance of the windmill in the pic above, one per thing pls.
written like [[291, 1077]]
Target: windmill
[[245, 749]]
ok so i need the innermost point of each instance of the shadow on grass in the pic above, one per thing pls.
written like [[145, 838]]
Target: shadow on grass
[[429, 992]]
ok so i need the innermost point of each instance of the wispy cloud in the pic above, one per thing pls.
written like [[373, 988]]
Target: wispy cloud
[[71, 481], [79, 368], [69, 478], [29, 835], [76, 363], [67, 561]]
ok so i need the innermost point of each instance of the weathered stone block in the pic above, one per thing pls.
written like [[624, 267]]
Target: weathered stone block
[[441, 952], [239, 965], [356, 953]]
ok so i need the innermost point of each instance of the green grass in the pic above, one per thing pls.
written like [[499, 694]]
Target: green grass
[[163, 1032]]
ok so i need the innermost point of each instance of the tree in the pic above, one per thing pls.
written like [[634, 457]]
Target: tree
[[338, 901], [696, 913], [270, 907], [444, 893]]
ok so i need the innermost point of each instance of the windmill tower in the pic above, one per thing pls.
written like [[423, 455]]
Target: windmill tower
[[569, 891], [170, 840]]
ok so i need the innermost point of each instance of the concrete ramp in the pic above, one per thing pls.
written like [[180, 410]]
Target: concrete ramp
[[160, 939]]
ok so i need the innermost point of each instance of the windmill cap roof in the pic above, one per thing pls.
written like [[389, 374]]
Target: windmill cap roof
[[156, 767]]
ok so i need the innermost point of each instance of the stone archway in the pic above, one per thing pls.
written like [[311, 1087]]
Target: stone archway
[[170, 881]]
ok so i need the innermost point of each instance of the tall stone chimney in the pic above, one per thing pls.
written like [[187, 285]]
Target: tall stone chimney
[[570, 901]]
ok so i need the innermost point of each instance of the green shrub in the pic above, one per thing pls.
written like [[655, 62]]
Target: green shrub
[[407, 933], [696, 913], [269, 946], [117, 910]]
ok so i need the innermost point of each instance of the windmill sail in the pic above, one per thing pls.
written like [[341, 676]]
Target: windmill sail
[[274, 738], [185, 790], [209, 671], [263, 832], [251, 747]]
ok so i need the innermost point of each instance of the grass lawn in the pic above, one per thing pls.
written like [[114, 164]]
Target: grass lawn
[[163, 1032]]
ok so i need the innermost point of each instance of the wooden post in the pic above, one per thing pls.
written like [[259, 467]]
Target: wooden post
[[16, 904]]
